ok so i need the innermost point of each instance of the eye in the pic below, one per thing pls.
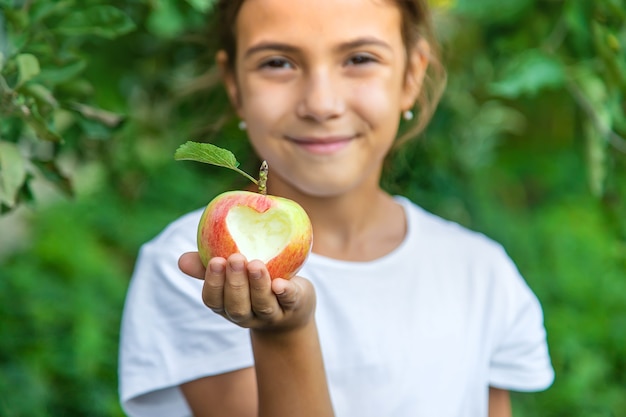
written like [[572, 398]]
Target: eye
[[361, 59], [276, 63]]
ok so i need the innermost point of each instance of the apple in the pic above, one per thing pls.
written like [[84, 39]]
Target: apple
[[272, 229]]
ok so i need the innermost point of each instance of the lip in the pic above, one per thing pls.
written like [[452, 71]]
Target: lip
[[322, 145]]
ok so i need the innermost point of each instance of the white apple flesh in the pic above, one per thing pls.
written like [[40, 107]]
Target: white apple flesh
[[272, 229]]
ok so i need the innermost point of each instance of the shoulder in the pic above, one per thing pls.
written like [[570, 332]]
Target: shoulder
[[157, 258], [156, 278], [179, 233], [479, 270], [449, 237], [464, 259]]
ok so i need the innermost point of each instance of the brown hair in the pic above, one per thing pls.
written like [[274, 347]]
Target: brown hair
[[416, 25]]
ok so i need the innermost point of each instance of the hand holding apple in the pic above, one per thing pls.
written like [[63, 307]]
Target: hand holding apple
[[244, 293]]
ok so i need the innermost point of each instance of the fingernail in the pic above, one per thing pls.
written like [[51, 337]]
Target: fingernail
[[237, 266], [255, 274], [216, 268]]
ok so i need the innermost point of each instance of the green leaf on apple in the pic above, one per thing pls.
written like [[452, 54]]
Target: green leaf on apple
[[209, 154]]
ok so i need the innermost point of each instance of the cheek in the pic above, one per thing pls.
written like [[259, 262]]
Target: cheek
[[263, 107], [265, 116], [378, 103]]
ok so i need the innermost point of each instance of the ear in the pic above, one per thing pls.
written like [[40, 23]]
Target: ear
[[229, 79], [417, 63]]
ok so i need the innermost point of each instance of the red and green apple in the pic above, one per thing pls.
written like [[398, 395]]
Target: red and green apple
[[269, 228], [272, 229]]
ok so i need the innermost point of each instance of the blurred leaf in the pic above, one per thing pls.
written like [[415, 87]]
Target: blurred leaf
[[576, 15], [528, 74], [18, 42], [166, 20], [201, 5], [93, 129], [53, 76], [40, 93], [52, 173], [12, 173], [18, 19], [500, 118], [40, 10], [28, 67], [493, 10], [41, 127], [104, 21]]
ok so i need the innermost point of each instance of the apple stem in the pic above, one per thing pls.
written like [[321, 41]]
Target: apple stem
[[263, 178]]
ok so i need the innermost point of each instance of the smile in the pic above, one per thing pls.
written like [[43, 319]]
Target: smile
[[322, 145]]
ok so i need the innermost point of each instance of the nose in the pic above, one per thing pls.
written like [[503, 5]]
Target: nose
[[321, 97]]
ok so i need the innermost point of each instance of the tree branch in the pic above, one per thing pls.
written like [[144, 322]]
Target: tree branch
[[612, 137]]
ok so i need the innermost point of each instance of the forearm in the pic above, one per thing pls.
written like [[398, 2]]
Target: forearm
[[290, 373], [499, 403]]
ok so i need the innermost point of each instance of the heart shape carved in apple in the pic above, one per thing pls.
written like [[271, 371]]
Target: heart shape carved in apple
[[259, 235]]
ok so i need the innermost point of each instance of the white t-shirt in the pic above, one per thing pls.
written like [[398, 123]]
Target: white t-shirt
[[422, 331]]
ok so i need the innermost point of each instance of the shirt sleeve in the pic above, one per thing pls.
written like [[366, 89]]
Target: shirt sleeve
[[168, 336], [520, 360]]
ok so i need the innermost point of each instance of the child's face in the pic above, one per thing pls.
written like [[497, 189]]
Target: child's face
[[321, 85]]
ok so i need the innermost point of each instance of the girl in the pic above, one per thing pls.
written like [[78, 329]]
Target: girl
[[396, 312]]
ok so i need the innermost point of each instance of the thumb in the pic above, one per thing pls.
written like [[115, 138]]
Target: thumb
[[190, 264]]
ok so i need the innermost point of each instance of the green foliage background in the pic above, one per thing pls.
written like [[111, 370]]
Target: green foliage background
[[527, 146]]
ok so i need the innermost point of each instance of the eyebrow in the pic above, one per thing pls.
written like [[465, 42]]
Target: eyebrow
[[270, 46], [345, 46], [364, 41]]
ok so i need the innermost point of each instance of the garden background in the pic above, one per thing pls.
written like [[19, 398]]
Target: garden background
[[528, 146]]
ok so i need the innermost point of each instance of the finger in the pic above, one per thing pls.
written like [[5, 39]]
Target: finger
[[287, 292], [237, 289], [190, 264], [213, 289], [262, 299]]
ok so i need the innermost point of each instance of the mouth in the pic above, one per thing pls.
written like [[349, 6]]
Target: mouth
[[322, 145]]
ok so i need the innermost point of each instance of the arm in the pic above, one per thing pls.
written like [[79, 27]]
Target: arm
[[290, 373], [235, 393], [288, 377], [499, 403], [279, 373]]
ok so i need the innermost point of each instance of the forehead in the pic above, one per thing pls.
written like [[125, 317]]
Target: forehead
[[317, 21]]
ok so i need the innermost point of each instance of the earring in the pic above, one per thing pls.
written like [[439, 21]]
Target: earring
[[242, 125], [407, 115]]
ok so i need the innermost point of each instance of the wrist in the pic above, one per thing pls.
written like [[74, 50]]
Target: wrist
[[286, 331]]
